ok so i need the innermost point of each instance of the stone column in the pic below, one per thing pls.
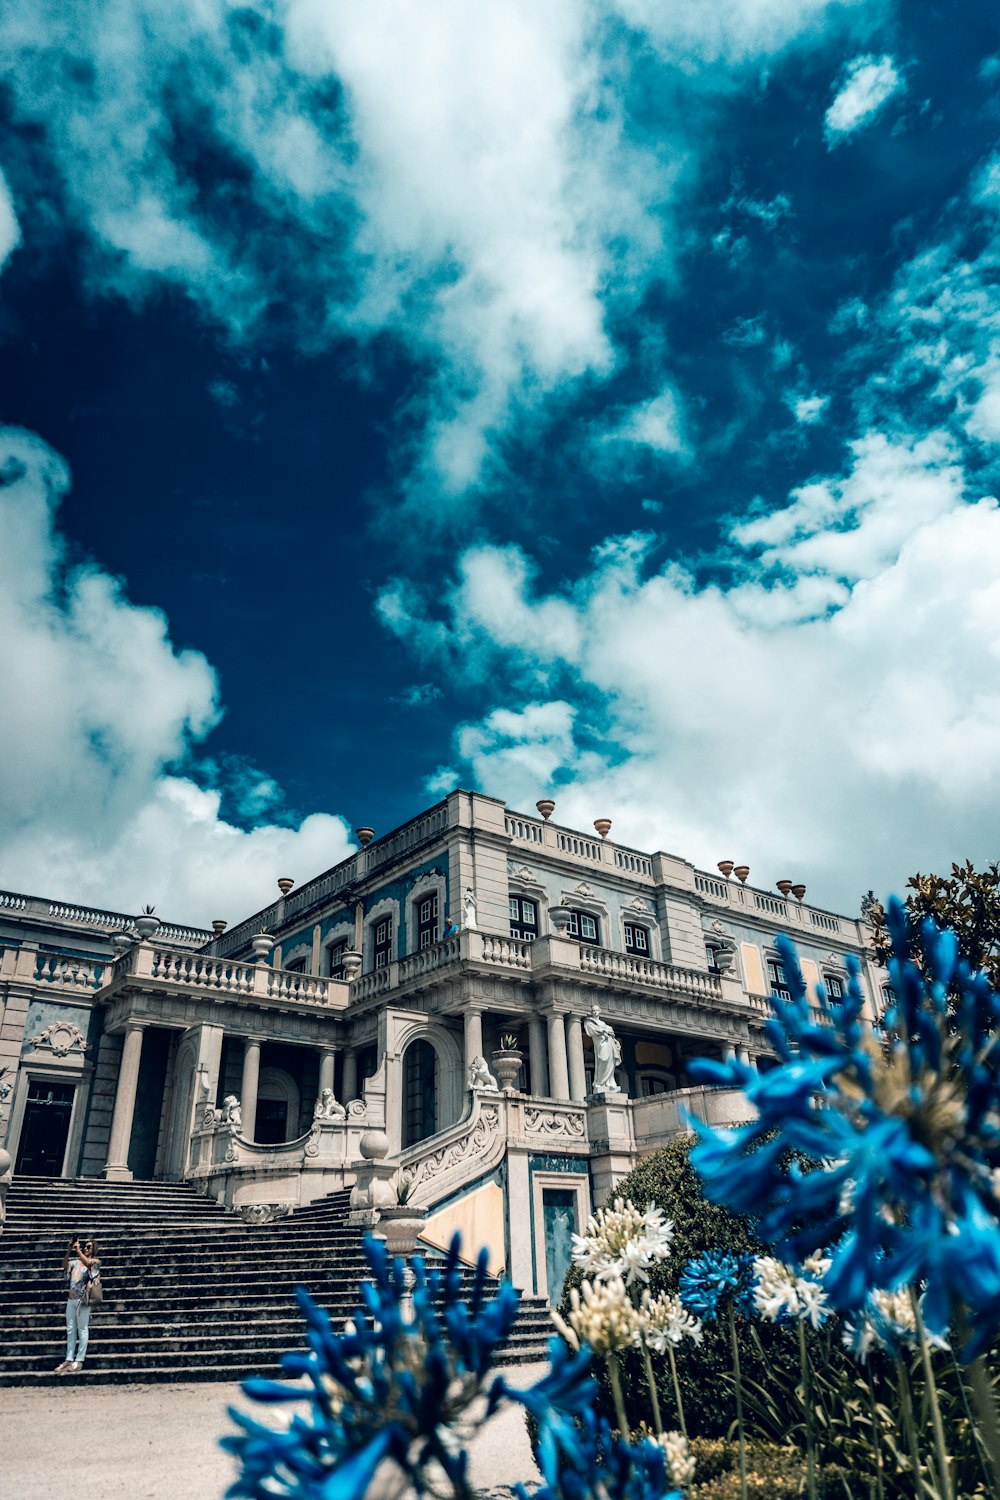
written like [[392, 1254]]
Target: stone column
[[117, 1168], [744, 1057], [577, 1071], [536, 1057], [473, 1037], [327, 1059], [728, 1052], [349, 1086], [248, 1089], [558, 1070]]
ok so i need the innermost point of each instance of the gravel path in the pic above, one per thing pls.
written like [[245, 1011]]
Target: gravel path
[[160, 1442]]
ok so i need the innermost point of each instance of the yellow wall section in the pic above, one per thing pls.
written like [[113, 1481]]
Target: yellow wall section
[[810, 973], [753, 970], [478, 1218]]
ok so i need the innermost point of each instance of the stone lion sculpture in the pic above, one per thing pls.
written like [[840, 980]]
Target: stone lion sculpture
[[232, 1114], [328, 1107], [480, 1076]]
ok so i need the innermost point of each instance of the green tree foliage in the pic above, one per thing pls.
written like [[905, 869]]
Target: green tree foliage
[[967, 901]]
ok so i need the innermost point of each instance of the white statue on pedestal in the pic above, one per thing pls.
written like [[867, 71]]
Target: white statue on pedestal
[[469, 902], [231, 1112], [480, 1077], [328, 1107], [607, 1052]]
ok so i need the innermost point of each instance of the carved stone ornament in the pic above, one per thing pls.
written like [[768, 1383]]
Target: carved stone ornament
[[583, 889], [263, 1213], [312, 1145], [550, 1123], [637, 904], [473, 1144], [209, 1117], [61, 1039], [480, 1076]]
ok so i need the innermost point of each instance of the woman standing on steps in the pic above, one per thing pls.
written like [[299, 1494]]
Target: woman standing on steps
[[81, 1268]]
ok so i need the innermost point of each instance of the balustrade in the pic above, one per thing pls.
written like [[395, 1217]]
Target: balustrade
[[70, 972]]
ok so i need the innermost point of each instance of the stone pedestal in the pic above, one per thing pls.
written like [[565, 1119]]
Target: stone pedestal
[[374, 1188], [613, 1151]]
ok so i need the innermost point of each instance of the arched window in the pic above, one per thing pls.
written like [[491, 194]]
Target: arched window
[[420, 1092]]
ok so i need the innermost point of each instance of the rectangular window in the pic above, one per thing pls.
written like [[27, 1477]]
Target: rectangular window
[[336, 959], [297, 966], [523, 918], [776, 979], [636, 940], [382, 945], [427, 921], [834, 987], [582, 925]]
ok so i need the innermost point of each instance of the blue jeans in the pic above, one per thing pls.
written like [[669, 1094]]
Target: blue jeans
[[77, 1330]]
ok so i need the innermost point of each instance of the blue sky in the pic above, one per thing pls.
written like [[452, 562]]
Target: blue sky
[[596, 401]]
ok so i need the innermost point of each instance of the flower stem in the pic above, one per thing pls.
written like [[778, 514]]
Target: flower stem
[[981, 1387], [807, 1409], [876, 1433], [614, 1376], [978, 1441], [906, 1409], [653, 1394], [739, 1401], [940, 1448], [677, 1389]]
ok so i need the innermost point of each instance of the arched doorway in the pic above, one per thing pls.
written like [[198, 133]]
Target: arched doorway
[[278, 1107], [421, 1078]]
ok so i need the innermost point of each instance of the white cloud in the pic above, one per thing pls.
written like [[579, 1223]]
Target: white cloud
[[842, 727], [808, 409], [100, 708], [868, 85], [654, 424], [10, 229], [468, 180]]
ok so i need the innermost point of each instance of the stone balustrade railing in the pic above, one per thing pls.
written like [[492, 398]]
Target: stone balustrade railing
[[70, 972], [790, 913], [201, 971], [605, 963], [95, 917]]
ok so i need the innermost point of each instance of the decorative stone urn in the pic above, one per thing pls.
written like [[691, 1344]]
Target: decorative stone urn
[[352, 965], [261, 943], [559, 917], [546, 807], [401, 1224], [147, 924], [506, 1065]]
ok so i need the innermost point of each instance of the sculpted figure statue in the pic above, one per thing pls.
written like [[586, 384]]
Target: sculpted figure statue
[[327, 1107], [480, 1076], [607, 1052], [469, 902], [231, 1112]]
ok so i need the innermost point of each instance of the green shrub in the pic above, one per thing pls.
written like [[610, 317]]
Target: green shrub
[[774, 1472]]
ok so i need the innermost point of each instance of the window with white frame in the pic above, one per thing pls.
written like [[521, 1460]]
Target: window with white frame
[[428, 930], [637, 939], [382, 943], [776, 979], [335, 959], [834, 988], [523, 918], [295, 966], [584, 925]]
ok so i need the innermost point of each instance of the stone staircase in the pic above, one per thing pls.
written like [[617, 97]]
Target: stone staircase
[[191, 1292]]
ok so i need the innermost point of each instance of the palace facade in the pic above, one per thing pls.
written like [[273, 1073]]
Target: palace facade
[[418, 1013]]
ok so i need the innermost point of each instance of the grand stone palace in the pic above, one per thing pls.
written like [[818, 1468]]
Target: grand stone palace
[[422, 1014]]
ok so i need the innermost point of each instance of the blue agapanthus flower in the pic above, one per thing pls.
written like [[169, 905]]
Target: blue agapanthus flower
[[715, 1279], [881, 1148], [599, 1466], [388, 1387]]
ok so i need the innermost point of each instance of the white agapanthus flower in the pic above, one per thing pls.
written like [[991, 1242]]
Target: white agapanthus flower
[[680, 1459], [888, 1322], [622, 1241], [666, 1322], [784, 1294], [602, 1315]]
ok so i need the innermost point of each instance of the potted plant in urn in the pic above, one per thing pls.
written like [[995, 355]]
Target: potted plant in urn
[[402, 1221], [507, 1060], [262, 942], [147, 922]]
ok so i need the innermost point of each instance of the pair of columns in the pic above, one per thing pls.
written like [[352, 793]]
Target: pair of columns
[[117, 1167], [555, 1058]]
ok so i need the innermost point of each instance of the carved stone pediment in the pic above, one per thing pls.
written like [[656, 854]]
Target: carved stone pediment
[[61, 1038], [637, 904]]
